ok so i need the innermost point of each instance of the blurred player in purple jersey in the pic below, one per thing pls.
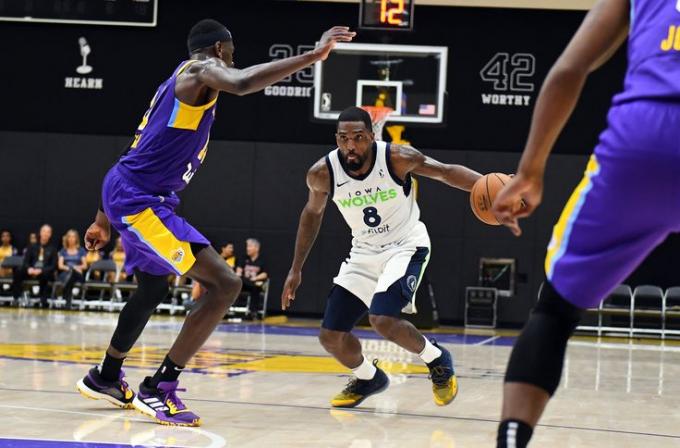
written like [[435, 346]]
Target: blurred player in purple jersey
[[139, 200], [623, 208]]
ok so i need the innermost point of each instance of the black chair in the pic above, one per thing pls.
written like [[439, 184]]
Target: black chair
[[12, 262], [121, 291], [58, 286], [104, 267], [616, 311], [243, 305], [180, 294], [671, 310], [648, 303]]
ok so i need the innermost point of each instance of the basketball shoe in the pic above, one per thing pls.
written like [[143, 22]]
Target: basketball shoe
[[443, 376], [358, 390], [163, 405], [97, 388]]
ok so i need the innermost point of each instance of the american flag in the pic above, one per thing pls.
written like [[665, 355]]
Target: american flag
[[427, 109]]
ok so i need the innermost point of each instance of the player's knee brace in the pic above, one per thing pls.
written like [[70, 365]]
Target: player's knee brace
[[538, 355], [151, 291]]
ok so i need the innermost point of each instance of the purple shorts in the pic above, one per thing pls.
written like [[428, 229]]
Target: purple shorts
[[155, 239], [627, 203]]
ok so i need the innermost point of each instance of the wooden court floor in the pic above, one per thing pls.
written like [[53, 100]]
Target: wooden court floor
[[269, 386]]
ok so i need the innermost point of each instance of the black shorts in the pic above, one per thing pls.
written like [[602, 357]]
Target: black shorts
[[344, 310]]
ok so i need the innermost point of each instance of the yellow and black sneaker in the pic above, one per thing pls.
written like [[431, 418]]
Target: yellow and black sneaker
[[443, 376], [358, 390]]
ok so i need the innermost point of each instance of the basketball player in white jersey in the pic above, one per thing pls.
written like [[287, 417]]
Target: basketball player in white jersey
[[370, 184]]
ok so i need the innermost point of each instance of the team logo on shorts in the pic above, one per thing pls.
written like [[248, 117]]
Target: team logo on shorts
[[412, 282], [177, 256]]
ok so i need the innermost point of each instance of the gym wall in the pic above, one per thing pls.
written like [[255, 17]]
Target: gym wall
[[58, 140]]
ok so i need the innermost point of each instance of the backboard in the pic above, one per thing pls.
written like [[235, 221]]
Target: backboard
[[411, 79]]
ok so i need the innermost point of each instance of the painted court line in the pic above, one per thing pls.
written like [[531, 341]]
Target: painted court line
[[20, 442], [216, 441], [63, 411], [486, 341], [378, 412]]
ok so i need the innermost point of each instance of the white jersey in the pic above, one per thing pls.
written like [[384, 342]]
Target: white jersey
[[379, 208]]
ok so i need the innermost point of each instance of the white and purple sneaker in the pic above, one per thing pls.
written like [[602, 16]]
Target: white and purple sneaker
[[163, 405], [95, 387]]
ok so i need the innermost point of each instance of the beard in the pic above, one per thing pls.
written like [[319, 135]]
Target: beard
[[354, 165]]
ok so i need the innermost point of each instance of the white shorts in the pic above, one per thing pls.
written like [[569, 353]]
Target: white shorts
[[370, 270]]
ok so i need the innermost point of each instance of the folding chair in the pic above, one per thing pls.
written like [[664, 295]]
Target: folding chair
[[103, 286], [180, 294], [265, 296], [12, 262], [648, 310], [121, 291], [671, 311], [58, 284], [618, 309]]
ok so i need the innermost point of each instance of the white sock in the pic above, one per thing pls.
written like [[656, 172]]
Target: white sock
[[365, 371], [430, 352]]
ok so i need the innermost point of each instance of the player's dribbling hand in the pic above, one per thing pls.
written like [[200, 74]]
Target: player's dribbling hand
[[330, 38], [524, 189], [99, 232], [292, 284], [96, 236]]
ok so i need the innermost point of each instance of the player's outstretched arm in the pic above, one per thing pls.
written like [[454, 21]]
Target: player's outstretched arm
[[602, 32], [406, 159], [217, 75], [318, 181]]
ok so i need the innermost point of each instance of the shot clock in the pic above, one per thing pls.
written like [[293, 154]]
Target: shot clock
[[387, 15]]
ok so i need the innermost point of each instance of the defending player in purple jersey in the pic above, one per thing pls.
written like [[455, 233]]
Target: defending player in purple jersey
[[139, 201], [622, 209]]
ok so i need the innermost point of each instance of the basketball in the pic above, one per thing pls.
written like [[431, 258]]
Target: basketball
[[483, 193]]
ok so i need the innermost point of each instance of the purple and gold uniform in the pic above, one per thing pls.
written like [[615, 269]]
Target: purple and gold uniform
[[138, 194], [629, 199]]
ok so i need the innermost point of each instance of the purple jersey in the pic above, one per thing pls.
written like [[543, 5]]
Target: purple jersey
[[171, 141], [653, 52]]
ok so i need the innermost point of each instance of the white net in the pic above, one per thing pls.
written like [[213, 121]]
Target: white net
[[379, 116]]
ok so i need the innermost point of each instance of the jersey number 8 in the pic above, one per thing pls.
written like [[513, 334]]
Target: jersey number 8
[[371, 217]]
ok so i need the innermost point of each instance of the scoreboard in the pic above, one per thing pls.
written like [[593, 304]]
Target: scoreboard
[[88, 12], [387, 15]]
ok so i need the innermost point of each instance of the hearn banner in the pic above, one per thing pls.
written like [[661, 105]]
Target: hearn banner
[[99, 80]]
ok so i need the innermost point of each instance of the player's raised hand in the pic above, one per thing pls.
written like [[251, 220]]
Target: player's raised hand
[[525, 189], [330, 38], [289, 288]]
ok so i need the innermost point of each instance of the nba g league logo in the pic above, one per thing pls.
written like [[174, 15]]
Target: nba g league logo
[[79, 82]]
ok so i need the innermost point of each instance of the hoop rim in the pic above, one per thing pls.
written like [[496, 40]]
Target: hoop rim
[[378, 113]]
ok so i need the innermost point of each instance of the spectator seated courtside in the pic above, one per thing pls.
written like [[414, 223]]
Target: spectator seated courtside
[[40, 264], [254, 273], [72, 264]]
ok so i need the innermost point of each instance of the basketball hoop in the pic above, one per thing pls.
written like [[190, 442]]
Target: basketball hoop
[[379, 116]]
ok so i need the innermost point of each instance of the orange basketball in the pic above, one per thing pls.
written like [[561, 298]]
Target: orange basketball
[[483, 193]]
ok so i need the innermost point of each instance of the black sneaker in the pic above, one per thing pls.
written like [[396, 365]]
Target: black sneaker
[[443, 376], [95, 387], [358, 390]]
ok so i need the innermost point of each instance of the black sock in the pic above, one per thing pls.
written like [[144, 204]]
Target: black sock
[[513, 434], [168, 371], [110, 368]]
